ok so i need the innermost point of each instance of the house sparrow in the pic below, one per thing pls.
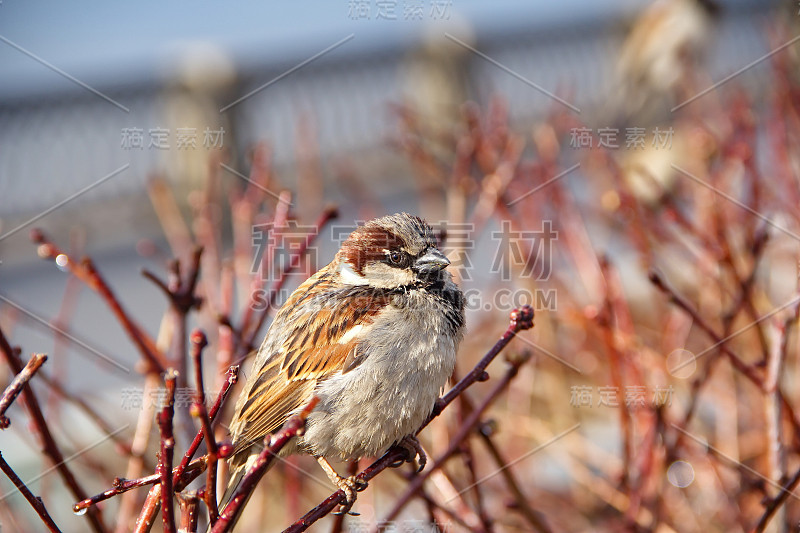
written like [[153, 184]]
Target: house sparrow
[[373, 335], [661, 59]]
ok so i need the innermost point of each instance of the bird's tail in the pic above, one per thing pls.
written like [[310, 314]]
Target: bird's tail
[[236, 476]]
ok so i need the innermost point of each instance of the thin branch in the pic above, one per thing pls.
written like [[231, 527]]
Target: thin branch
[[121, 485], [181, 295], [49, 446], [747, 370], [35, 502], [199, 411], [149, 510], [249, 333], [15, 387], [775, 503], [232, 377], [86, 272], [139, 446], [189, 503], [183, 474], [534, 518], [164, 468]]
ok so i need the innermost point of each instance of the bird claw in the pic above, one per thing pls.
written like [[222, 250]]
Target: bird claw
[[350, 486], [414, 452]]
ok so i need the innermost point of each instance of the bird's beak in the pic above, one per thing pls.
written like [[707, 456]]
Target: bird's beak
[[431, 261]]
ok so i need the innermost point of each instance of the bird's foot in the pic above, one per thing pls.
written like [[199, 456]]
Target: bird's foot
[[351, 486], [414, 452]]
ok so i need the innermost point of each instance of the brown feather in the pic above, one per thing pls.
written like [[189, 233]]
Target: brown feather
[[311, 351]]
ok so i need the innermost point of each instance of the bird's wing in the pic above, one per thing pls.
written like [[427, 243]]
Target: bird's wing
[[315, 335]]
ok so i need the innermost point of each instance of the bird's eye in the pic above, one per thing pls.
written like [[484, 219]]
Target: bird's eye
[[395, 257]]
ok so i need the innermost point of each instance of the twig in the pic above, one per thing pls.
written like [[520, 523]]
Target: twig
[[149, 510], [15, 387], [293, 427], [199, 410], [616, 365], [136, 464], [233, 376], [164, 468], [49, 446], [181, 295], [521, 319], [267, 255], [189, 511], [35, 502], [181, 477], [467, 454], [435, 506], [86, 272], [183, 474], [121, 485], [747, 370], [523, 505], [775, 503]]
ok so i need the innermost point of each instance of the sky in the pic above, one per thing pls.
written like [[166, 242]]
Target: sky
[[115, 43]]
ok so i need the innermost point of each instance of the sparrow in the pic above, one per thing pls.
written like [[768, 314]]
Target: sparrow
[[661, 59], [373, 335]]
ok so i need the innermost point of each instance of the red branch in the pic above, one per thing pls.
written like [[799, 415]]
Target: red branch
[[49, 446], [35, 502], [189, 511], [121, 485], [183, 474], [87, 273], [199, 410], [233, 376], [164, 468], [12, 391], [182, 299]]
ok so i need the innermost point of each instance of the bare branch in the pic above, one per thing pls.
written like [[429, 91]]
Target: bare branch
[[15, 387]]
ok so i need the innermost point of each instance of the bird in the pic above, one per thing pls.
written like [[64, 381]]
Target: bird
[[373, 335], [661, 59]]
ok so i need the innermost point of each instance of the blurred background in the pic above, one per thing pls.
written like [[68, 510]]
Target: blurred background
[[130, 131]]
